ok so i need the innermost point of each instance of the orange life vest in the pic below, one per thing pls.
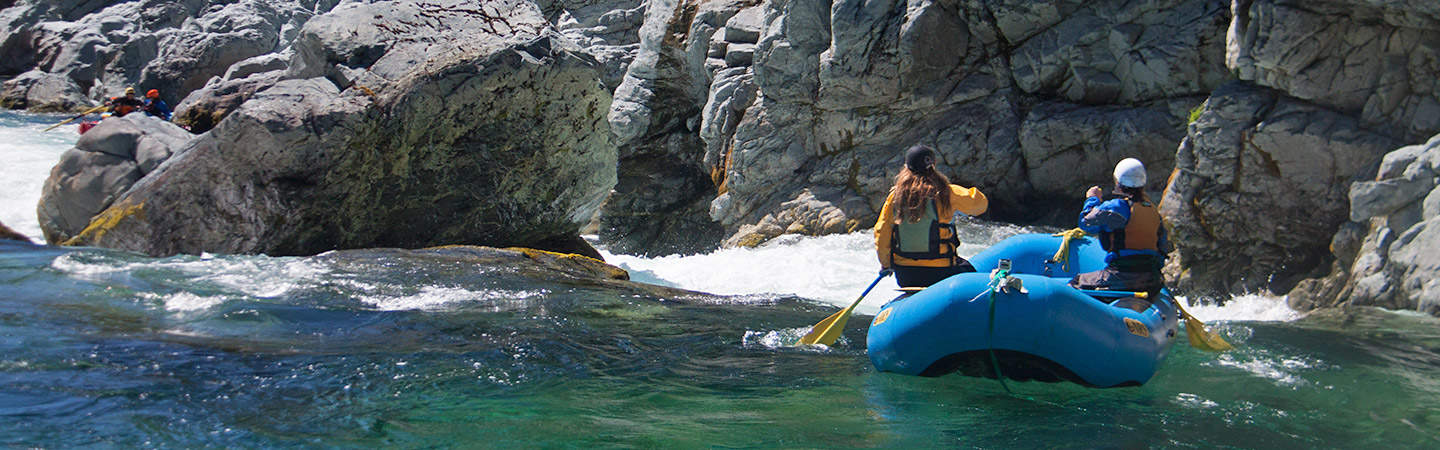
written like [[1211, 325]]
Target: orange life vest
[[1141, 233]]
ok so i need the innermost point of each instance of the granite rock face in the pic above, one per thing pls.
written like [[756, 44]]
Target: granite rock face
[[448, 123], [1260, 187], [105, 162], [1374, 60], [97, 49], [1327, 89], [804, 107], [1385, 256]]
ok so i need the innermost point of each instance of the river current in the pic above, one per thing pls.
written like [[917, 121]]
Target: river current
[[370, 348]]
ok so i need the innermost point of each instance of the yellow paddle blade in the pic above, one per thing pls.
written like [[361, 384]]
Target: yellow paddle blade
[[822, 328], [1203, 339], [830, 332], [1200, 337]]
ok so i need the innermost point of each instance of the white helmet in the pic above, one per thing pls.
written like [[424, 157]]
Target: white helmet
[[1130, 173]]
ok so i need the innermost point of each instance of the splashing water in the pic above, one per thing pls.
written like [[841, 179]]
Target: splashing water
[[29, 155]]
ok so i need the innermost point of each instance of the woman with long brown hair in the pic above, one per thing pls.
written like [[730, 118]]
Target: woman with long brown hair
[[914, 236]]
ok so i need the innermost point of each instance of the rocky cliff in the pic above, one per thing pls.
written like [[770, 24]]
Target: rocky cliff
[[1263, 177], [803, 107], [734, 121]]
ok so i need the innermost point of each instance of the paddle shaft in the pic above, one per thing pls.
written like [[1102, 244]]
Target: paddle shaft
[[77, 116]]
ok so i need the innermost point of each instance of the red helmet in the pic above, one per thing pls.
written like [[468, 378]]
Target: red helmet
[[153, 93]]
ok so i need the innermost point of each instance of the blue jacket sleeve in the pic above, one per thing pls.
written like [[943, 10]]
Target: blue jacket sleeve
[[1097, 217]]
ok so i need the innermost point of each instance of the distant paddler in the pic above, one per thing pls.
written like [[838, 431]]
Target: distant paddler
[[120, 106], [156, 107]]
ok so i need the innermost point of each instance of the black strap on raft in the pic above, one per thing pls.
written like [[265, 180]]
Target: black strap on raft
[[936, 249]]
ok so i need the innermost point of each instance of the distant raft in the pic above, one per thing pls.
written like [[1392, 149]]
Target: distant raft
[[1051, 332]]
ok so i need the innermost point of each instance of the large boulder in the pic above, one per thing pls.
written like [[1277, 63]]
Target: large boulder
[[1260, 187], [1261, 181], [104, 163], [441, 123], [42, 92], [1385, 255]]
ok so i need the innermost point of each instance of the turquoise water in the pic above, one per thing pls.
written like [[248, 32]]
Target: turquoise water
[[367, 348], [370, 348]]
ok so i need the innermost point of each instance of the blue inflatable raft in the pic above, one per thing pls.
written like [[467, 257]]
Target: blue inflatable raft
[[1052, 332]]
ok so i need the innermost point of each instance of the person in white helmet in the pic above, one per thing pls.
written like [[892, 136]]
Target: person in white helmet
[[1129, 229]]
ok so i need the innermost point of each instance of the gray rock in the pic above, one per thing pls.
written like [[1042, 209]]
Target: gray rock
[[104, 163], [1259, 189], [42, 92], [175, 46], [608, 30], [494, 135], [202, 109], [804, 215], [268, 62], [745, 26], [1069, 148], [1395, 266], [1368, 57], [1113, 54], [207, 46]]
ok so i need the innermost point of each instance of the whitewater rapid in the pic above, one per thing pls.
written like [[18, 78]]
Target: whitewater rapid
[[29, 152], [835, 269], [831, 270]]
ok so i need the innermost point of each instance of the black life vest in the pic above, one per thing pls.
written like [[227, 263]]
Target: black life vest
[[923, 239]]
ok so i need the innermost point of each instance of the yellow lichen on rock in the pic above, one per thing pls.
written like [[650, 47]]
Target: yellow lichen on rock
[[581, 261], [105, 221]]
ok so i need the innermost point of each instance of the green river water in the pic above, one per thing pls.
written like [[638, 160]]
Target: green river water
[[377, 348]]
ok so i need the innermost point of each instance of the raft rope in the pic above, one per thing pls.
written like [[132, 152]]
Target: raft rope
[[993, 287], [1063, 255]]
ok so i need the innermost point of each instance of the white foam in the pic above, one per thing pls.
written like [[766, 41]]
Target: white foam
[[29, 156], [1255, 308], [430, 298], [835, 269], [1284, 371], [185, 301], [252, 276]]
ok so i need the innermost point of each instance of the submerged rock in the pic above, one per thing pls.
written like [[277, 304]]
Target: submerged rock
[[8, 234], [441, 123]]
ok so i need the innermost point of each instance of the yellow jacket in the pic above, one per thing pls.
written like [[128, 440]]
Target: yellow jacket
[[967, 200]]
